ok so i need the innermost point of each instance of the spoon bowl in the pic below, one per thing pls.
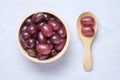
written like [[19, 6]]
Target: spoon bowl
[[87, 41]]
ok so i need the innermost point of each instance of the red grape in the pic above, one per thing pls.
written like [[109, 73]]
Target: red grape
[[32, 52], [42, 57], [24, 28], [31, 42], [46, 17], [41, 24], [25, 35], [32, 29], [23, 43], [60, 46], [62, 32], [53, 53], [87, 21], [88, 31], [46, 30], [41, 38], [28, 21], [55, 39], [43, 49], [38, 17], [50, 43], [54, 24]]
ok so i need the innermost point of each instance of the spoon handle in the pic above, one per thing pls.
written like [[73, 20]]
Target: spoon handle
[[87, 59]]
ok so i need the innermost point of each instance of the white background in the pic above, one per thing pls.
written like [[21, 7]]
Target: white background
[[105, 48]]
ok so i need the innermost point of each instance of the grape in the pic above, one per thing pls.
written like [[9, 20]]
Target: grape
[[88, 31], [46, 30], [38, 17], [50, 43], [87, 21], [46, 17], [25, 35], [32, 29], [42, 57], [62, 32], [23, 43], [24, 28], [43, 49], [60, 46], [28, 21], [32, 52], [54, 24], [31, 43], [40, 24], [55, 39], [41, 38], [53, 53]]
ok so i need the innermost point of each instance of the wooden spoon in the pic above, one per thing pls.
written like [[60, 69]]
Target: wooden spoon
[[87, 41]]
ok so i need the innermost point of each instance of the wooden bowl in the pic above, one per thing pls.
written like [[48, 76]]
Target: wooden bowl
[[50, 59]]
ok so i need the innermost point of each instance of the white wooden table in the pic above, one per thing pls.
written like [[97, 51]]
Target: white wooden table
[[105, 49]]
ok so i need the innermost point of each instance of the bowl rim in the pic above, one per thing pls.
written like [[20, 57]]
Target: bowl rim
[[50, 59]]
